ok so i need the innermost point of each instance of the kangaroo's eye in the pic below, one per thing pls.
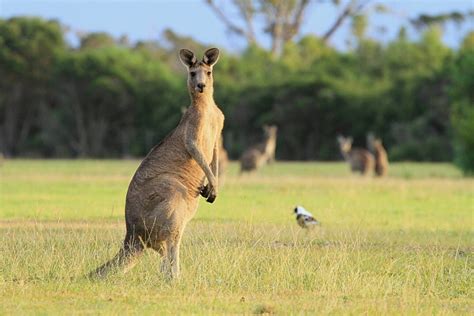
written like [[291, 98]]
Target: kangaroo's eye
[[208, 73], [193, 73]]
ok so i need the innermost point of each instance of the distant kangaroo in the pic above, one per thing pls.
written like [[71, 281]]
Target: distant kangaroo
[[360, 160], [258, 155], [270, 145], [380, 154], [164, 192]]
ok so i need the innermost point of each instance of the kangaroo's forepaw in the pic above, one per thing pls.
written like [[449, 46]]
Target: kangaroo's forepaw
[[212, 195], [211, 198], [205, 191], [208, 192]]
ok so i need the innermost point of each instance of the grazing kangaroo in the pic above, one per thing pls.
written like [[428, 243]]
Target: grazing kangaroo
[[252, 159], [359, 159], [164, 192], [258, 155], [380, 154]]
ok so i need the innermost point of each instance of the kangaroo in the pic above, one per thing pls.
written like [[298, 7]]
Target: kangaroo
[[258, 155], [359, 159], [380, 154], [163, 195], [270, 144], [252, 159]]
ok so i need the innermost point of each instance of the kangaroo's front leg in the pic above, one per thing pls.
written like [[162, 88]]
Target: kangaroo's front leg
[[205, 191], [196, 154]]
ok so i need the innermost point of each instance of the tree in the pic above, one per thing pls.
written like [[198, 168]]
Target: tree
[[462, 115], [96, 40], [112, 99], [109, 96], [282, 19], [29, 49], [424, 21]]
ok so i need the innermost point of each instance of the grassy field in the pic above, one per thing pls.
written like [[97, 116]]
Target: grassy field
[[400, 245]]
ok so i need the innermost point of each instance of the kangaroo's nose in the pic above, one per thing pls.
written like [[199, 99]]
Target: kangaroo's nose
[[201, 86]]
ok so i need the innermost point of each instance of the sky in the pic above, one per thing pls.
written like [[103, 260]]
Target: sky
[[146, 19]]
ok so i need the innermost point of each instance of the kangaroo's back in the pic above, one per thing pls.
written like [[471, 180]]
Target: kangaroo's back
[[359, 159], [168, 159], [252, 159], [261, 153]]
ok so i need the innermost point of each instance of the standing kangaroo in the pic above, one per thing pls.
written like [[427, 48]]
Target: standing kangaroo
[[258, 155], [359, 159], [268, 147], [380, 154], [164, 192]]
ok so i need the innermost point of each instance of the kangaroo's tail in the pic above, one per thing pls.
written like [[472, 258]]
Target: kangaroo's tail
[[125, 259]]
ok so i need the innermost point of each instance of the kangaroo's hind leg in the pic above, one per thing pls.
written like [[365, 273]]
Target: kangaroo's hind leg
[[169, 218], [169, 237], [170, 251], [125, 259]]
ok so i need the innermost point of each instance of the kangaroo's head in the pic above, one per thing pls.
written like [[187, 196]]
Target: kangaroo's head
[[270, 131], [345, 143], [200, 79]]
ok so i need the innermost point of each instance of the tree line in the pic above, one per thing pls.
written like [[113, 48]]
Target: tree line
[[111, 98]]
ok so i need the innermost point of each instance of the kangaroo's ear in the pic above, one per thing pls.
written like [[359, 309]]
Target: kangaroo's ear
[[187, 57], [211, 56]]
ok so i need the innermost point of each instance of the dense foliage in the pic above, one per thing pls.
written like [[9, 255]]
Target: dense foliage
[[110, 98], [462, 94]]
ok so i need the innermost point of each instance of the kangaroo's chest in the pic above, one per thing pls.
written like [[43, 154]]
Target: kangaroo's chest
[[209, 134]]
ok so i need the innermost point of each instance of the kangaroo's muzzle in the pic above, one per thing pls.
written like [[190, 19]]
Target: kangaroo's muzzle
[[200, 87]]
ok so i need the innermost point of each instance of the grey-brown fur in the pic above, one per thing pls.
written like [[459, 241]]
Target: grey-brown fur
[[380, 154], [359, 159], [164, 192], [258, 155]]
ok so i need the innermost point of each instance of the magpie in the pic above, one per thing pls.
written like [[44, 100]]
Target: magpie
[[304, 218]]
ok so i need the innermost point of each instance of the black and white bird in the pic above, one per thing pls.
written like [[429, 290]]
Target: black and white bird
[[304, 218]]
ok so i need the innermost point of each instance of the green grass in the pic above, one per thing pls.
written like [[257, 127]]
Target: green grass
[[403, 244]]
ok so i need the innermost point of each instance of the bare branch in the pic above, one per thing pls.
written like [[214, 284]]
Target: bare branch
[[353, 7], [231, 26], [294, 27], [247, 11]]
